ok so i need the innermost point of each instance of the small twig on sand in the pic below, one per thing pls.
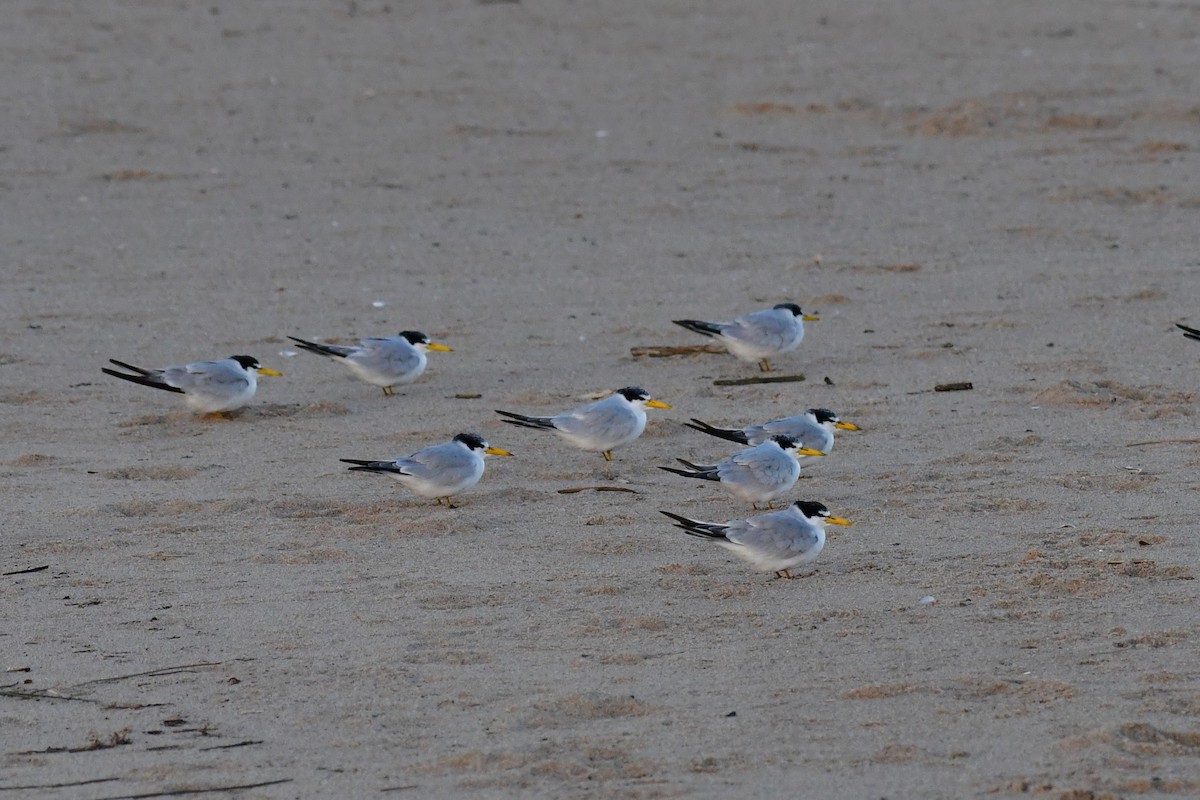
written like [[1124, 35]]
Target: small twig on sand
[[246, 743], [758, 379], [664, 350], [39, 694], [115, 739], [57, 785], [151, 672], [1164, 441], [959, 386], [24, 571], [578, 489], [181, 792]]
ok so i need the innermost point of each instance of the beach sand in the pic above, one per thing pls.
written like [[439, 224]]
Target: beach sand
[[1000, 194]]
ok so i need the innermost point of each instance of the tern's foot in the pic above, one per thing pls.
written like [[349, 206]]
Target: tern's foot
[[607, 455], [787, 573]]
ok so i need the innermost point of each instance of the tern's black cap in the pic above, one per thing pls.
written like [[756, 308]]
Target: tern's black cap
[[473, 441], [824, 415], [247, 362], [811, 509], [634, 393], [414, 337]]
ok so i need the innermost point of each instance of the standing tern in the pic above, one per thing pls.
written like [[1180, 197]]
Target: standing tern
[[757, 336], [440, 470], [814, 428], [774, 542], [758, 474], [383, 362], [598, 427], [210, 387]]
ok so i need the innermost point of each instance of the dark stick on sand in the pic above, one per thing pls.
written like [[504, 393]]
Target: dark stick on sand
[[758, 379]]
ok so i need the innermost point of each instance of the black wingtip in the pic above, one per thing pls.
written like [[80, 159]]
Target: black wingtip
[[315, 347], [693, 473], [371, 466], [731, 435], [693, 527], [524, 421], [141, 380], [698, 326], [130, 367], [1190, 333]]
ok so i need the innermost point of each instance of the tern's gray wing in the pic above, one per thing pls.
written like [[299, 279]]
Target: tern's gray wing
[[393, 356], [802, 429], [767, 467], [437, 462], [770, 328], [207, 376], [605, 419], [781, 534]]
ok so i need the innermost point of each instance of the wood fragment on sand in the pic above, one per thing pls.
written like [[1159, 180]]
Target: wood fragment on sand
[[663, 351], [958, 386], [1163, 441], [578, 489], [206, 790], [758, 379], [27, 571]]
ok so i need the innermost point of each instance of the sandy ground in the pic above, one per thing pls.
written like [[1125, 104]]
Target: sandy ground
[[1000, 193]]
